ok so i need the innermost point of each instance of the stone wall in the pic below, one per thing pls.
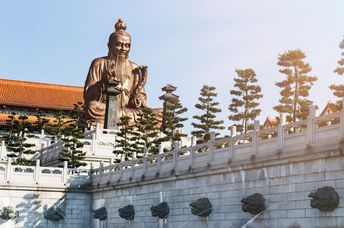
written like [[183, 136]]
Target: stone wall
[[285, 184], [33, 202], [31, 190]]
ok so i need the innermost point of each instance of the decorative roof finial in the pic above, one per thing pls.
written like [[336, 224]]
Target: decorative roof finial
[[120, 26]]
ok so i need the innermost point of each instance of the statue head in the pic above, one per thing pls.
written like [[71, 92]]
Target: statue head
[[119, 41]]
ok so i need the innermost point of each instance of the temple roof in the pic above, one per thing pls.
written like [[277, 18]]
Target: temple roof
[[39, 95]]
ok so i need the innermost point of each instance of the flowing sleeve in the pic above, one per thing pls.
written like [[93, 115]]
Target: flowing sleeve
[[94, 86]]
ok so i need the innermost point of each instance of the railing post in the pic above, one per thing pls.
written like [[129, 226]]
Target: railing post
[[192, 156], [232, 143], [255, 137], [37, 172], [280, 132], [175, 155], [211, 148], [94, 144], [101, 168], [145, 163], [158, 167], [193, 140], [2, 150], [311, 125], [132, 167], [342, 121], [8, 170], [161, 149], [97, 130], [65, 172]]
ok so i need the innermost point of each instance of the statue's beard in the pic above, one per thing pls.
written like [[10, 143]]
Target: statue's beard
[[122, 69]]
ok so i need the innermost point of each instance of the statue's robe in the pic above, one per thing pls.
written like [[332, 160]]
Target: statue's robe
[[132, 95]]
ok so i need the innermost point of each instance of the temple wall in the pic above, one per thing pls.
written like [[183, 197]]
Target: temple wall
[[32, 202], [285, 184]]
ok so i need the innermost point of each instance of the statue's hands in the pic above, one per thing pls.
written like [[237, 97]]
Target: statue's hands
[[106, 76]]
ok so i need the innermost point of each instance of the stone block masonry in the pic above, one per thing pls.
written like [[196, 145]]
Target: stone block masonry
[[284, 186], [284, 164], [32, 203]]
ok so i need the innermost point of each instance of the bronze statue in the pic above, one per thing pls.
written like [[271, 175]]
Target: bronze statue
[[116, 65]]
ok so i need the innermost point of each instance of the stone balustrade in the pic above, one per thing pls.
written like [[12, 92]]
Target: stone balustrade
[[17, 175], [98, 144], [285, 140]]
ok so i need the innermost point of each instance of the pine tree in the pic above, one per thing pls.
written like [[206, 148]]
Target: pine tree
[[174, 121], [79, 115], [338, 90], [244, 104], [207, 121], [72, 145], [125, 145], [146, 132], [41, 122], [296, 86], [19, 130], [56, 127], [71, 133]]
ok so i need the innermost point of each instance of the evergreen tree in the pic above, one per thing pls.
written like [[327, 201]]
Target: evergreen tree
[[71, 133], [41, 122], [296, 86], [174, 121], [207, 121], [58, 124], [72, 145], [19, 130], [125, 145], [146, 132], [79, 115], [338, 90], [244, 104]]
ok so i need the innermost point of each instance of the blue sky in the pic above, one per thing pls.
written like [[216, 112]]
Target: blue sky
[[186, 43]]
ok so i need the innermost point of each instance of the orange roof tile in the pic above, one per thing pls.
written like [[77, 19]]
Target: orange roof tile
[[40, 95], [330, 106]]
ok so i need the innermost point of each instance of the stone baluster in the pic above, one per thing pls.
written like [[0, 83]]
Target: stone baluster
[[255, 141], [37, 171], [97, 132], [158, 166], [94, 144], [232, 143], [145, 161], [161, 151], [65, 172], [311, 125], [111, 166], [193, 140], [342, 121], [192, 152], [280, 132], [101, 168], [2, 150], [8, 170], [132, 168], [211, 148], [175, 154]]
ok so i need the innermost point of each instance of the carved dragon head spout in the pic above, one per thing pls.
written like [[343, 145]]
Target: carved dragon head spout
[[325, 199]]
